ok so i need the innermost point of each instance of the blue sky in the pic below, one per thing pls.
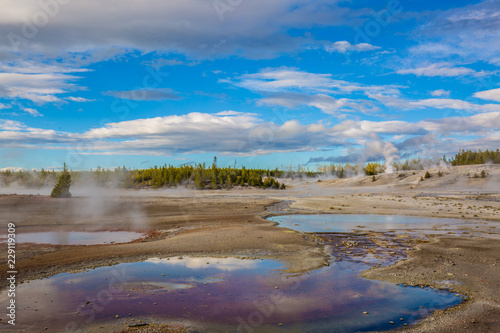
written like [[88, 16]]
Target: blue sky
[[266, 84]]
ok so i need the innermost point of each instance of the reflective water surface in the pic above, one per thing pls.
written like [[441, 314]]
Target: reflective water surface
[[235, 294], [347, 222]]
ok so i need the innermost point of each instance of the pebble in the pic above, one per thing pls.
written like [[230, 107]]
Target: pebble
[[365, 313]]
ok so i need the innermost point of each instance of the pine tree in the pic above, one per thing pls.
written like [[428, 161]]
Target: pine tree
[[61, 190]]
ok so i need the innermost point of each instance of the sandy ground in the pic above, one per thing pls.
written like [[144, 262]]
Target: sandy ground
[[463, 259]]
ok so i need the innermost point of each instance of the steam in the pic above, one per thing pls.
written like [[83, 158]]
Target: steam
[[376, 147]]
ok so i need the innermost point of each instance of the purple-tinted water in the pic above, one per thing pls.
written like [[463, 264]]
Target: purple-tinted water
[[222, 295]]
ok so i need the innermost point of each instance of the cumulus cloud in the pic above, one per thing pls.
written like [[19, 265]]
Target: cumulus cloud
[[146, 94], [491, 95], [227, 133], [440, 93], [242, 134], [345, 47]]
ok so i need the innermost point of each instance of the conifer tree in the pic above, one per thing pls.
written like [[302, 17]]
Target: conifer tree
[[61, 189]]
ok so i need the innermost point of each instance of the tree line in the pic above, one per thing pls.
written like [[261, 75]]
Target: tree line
[[202, 176], [199, 176], [467, 157]]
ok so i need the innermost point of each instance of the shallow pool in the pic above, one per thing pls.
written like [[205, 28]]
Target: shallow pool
[[347, 222], [223, 295]]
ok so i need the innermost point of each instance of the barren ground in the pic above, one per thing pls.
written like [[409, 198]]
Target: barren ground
[[227, 223]]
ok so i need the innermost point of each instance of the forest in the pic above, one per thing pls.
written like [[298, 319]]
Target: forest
[[198, 176], [467, 157], [201, 176]]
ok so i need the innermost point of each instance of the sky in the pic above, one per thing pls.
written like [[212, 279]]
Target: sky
[[257, 83]]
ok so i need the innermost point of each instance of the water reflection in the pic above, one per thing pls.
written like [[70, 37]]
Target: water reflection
[[223, 294]]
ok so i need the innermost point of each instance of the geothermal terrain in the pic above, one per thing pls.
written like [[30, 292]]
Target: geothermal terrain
[[461, 255]]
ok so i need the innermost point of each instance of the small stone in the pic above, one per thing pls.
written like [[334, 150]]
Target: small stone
[[365, 313], [391, 322], [117, 316], [401, 319]]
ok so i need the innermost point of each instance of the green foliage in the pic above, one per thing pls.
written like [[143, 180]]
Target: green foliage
[[373, 178], [61, 189], [483, 174], [427, 174], [468, 157], [373, 168], [440, 174]]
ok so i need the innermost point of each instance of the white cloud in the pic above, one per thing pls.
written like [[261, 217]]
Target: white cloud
[[345, 47], [12, 169], [325, 103], [11, 125], [33, 112], [37, 83], [469, 33], [456, 104], [241, 134], [291, 88], [491, 95], [440, 69], [255, 28], [440, 93], [286, 79], [79, 99]]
